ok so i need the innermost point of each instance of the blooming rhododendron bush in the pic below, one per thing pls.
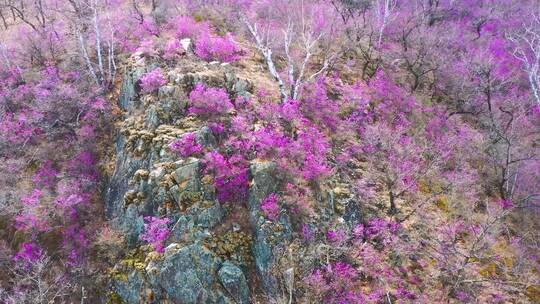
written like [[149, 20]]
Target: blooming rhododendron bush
[[381, 151]]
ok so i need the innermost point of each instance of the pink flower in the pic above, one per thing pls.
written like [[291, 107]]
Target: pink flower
[[231, 176], [270, 207], [33, 199], [153, 80], [208, 102], [173, 49], [210, 47], [506, 203], [29, 253], [156, 232], [307, 233], [187, 145], [337, 237]]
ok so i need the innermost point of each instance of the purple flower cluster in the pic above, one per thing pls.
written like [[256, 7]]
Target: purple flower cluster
[[270, 207], [187, 145], [153, 80], [209, 102], [156, 232], [231, 176], [212, 47]]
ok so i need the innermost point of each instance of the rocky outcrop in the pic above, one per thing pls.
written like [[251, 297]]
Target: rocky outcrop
[[151, 181], [268, 235], [187, 275]]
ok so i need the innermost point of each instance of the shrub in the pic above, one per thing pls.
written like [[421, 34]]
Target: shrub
[[18, 129], [156, 232], [210, 47], [209, 102], [29, 253], [147, 48], [187, 145], [188, 27], [231, 176], [153, 80], [270, 207], [173, 49], [337, 237], [336, 283]]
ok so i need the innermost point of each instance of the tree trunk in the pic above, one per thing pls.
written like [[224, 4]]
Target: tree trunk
[[393, 209]]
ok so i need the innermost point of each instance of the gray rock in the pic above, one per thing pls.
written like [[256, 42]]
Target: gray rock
[[353, 213], [152, 117], [186, 44], [174, 191], [210, 217], [130, 291], [188, 177], [265, 182], [206, 138], [130, 88], [234, 281], [189, 275], [182, 224], [237, 86], [132, 223], [185, 273], [173, 95]]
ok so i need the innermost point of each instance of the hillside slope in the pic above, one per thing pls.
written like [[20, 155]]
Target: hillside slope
[[246, 151]]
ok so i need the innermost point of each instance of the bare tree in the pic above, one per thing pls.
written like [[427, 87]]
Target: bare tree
[[300, 35], [384, 10], [99, 57], [527, 50], [36, 282]]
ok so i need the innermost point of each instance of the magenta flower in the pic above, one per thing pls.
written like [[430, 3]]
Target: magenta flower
[[153, 80], [156, 232], [270, 207], [187, 145], [29, 253]]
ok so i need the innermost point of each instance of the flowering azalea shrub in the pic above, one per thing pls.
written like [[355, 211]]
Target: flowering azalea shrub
[[188, 27], [187, 145], [209, 102], [156, 232], [153, 80], [369, 245], [211, 47], [17, 129], [337, 237], [173, 49], [29, 253], [147, 48], [270, 207], [335, 283], [231, 176]]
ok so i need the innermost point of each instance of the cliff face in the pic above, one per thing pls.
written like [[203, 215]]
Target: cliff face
[[208, 258]]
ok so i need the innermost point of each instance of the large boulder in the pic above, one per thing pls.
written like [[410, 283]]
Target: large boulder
[[188, 275], [234, 281]]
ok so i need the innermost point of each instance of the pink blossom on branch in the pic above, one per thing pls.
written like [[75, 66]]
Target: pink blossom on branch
[[231, 176], [188, 27], [173, 49], [29, 253]]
